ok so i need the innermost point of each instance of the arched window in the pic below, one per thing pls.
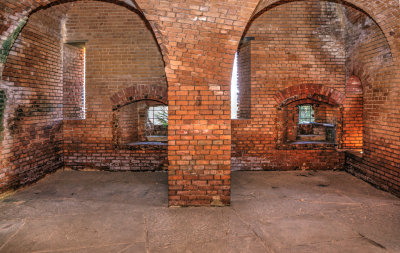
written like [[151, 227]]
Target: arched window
[[141, 122]]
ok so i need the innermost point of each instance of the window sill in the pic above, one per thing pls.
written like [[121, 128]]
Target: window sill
[[318, 124], [355, 152], [307, 145], [146, 145]]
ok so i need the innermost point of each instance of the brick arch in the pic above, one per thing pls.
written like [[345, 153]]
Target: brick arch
[[383, 14], [22, 12], [309, 91], [137, 93]]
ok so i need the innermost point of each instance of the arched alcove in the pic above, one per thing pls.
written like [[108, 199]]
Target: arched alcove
[[291, 49], [60, 71], [143, 122], [309, 117]]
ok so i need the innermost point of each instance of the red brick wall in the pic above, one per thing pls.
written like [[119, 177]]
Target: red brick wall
[[73, 81], [120, 52], [295, 43], [31, 144], [128, 122], [299, 42]]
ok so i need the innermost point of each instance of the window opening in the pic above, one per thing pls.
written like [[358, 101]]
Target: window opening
[[75, 107], [142, 125], [3, 99], [158, 115], [306, 114], [234, 89], [83, 96], [157, 124]]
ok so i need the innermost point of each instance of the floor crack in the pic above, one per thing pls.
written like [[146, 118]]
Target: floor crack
[[16, 232], [146, 231], [372, 241], [264, 243]]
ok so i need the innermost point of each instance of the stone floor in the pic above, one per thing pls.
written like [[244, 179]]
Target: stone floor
[[98, 212]]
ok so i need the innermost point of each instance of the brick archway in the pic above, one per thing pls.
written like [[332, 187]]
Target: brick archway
[[379, 12], [383, 14], [137, 93], [328, 101], [309, 91], [11, 27]]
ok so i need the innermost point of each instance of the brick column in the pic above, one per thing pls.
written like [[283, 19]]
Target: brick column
[[200, 40], [199, 149]]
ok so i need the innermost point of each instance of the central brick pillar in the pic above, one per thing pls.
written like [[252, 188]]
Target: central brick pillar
[[199, 149], [199, 128], [199, 146], [199, 40]]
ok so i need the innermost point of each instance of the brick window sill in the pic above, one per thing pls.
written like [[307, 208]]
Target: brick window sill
[[146, 145], [355, 152], [307, 145]]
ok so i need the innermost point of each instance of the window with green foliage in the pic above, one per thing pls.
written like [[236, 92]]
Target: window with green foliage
[[306, 114], [3, 99], [157, 122], [158, 115]]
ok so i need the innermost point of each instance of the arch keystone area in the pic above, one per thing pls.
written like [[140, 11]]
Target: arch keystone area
[[304, 91], [137, 93]]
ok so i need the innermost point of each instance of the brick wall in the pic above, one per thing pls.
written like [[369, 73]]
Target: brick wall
[[120, 53], [128, 122], [295, 43], [32, 80]]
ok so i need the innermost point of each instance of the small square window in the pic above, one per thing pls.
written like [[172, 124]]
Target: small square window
[[158, 115], [306, 114]]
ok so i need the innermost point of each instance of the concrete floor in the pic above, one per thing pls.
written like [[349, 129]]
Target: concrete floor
[[98, 212]]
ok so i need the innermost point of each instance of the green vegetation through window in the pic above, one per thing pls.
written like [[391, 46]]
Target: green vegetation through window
[[158, 115], [306, 114]]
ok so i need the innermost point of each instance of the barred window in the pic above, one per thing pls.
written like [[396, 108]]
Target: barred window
[[306, 114], [158, 115]]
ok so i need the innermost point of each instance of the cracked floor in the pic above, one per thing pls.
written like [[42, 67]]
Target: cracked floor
[[71, 211]]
